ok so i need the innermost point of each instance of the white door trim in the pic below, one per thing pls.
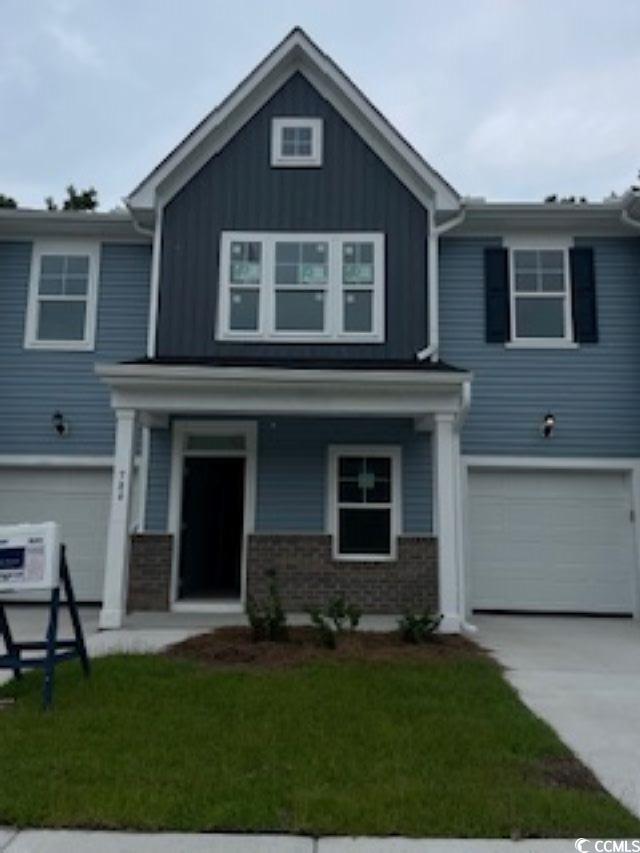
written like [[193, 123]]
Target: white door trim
[[181, 430], [629, 464]]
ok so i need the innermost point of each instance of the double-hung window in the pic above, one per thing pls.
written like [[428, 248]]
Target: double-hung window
[[540, 294], [293, 287], [364, 502], [61, 313]]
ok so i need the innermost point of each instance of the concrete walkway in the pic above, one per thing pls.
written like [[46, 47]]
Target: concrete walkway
[[47, 841], [581, 675]]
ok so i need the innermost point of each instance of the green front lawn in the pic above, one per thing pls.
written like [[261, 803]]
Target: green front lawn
[[442, 748]]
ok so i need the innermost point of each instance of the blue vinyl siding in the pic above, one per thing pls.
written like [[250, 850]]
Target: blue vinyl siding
[[593, 391], [292, 471], [36, 383]]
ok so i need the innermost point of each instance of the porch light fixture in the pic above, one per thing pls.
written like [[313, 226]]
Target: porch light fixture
[[548, 425], [59, 424]]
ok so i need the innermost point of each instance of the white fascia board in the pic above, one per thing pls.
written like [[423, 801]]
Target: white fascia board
[[61, 224], [296, 53], [492, 219], [276, 391]]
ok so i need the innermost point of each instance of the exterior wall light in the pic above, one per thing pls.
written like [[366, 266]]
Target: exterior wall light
[[548, 425], [60, 425]]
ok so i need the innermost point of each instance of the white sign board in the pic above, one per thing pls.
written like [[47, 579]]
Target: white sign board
[[29, 557]]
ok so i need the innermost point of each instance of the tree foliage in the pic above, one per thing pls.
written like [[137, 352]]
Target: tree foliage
[[75, 200], [7, 201]]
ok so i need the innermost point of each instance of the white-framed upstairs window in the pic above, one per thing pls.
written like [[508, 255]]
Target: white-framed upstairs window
[[296, 142], [63, 293], [364, 502], [290, 287], [540, 293]]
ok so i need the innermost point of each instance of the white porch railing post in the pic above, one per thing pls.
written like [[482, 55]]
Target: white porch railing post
[[116, 568], [446, 459]]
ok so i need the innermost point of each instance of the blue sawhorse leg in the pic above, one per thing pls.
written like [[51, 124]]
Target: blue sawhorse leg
[[51, 646], [80, 646], [5, 632]]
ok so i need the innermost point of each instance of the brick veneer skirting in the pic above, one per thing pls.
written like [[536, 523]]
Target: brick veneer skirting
[[308, 576], [150, 571]]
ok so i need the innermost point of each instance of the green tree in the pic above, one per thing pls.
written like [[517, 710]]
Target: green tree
[[75, 200], [7, 201]]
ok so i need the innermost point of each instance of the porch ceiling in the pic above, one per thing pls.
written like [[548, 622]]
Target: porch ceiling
[[184, 389]]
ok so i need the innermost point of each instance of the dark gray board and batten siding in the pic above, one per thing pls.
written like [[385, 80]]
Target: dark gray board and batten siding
[[238, 190], [36, 383], [593, 390]]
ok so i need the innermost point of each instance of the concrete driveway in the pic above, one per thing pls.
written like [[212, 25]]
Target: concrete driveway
[[581, 675]]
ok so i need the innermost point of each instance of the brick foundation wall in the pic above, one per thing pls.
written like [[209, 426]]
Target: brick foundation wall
[[308, 576], [150, 571]]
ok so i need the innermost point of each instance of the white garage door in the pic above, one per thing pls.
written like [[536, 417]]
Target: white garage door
[[79, 501], [551, 541]]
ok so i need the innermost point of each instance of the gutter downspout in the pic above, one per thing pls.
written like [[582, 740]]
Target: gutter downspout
[[143, 474], [433, 237]]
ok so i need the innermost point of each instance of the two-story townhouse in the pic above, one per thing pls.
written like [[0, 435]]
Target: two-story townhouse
[[349, 374]]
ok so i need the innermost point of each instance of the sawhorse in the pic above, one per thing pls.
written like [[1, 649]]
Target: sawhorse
[[55, 650]]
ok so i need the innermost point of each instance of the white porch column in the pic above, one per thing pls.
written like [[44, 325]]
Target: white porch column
[[116, 563], [446, 467]]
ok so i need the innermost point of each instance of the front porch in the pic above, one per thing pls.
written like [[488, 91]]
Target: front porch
[[342, 482]]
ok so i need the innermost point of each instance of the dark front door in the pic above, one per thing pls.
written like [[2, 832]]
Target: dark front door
[[212, 527]]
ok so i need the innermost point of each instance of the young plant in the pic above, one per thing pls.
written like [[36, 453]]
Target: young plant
[[341, 613], [333, 620], [326, 635], [418, 628], [268, 620]]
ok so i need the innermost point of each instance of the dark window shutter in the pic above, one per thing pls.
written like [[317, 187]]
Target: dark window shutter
[[496, 283], [583, 295]]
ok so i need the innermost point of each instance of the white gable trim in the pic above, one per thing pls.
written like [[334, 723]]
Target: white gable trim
[[297, 53]]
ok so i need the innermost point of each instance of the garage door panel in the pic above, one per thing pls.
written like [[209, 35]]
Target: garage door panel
[[79, 501], [551, 540]]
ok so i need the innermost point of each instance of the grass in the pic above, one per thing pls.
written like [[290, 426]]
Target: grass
[[438, 749]]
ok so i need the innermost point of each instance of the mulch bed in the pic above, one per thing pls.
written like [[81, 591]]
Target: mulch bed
[[235, 648]]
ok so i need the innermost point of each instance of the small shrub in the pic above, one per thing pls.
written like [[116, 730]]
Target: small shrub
[[326, 635], [268, 621], [331, 621], [418, 628]]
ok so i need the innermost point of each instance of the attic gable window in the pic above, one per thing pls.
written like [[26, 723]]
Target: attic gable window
[[289, 287], [296, 142]]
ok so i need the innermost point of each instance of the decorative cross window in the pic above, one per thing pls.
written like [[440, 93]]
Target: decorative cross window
[[292, 287], [364, 502], [296, 141], [540, 294], [62, 296]]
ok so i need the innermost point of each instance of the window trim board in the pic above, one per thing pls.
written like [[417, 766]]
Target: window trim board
[[533, 243], [90, 248], [390, 451], [284, 161], [334, 289]]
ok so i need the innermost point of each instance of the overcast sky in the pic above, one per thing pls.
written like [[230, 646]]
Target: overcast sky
[[510, 99]]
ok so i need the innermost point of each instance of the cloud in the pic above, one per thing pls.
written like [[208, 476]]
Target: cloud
[[75, 46]]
